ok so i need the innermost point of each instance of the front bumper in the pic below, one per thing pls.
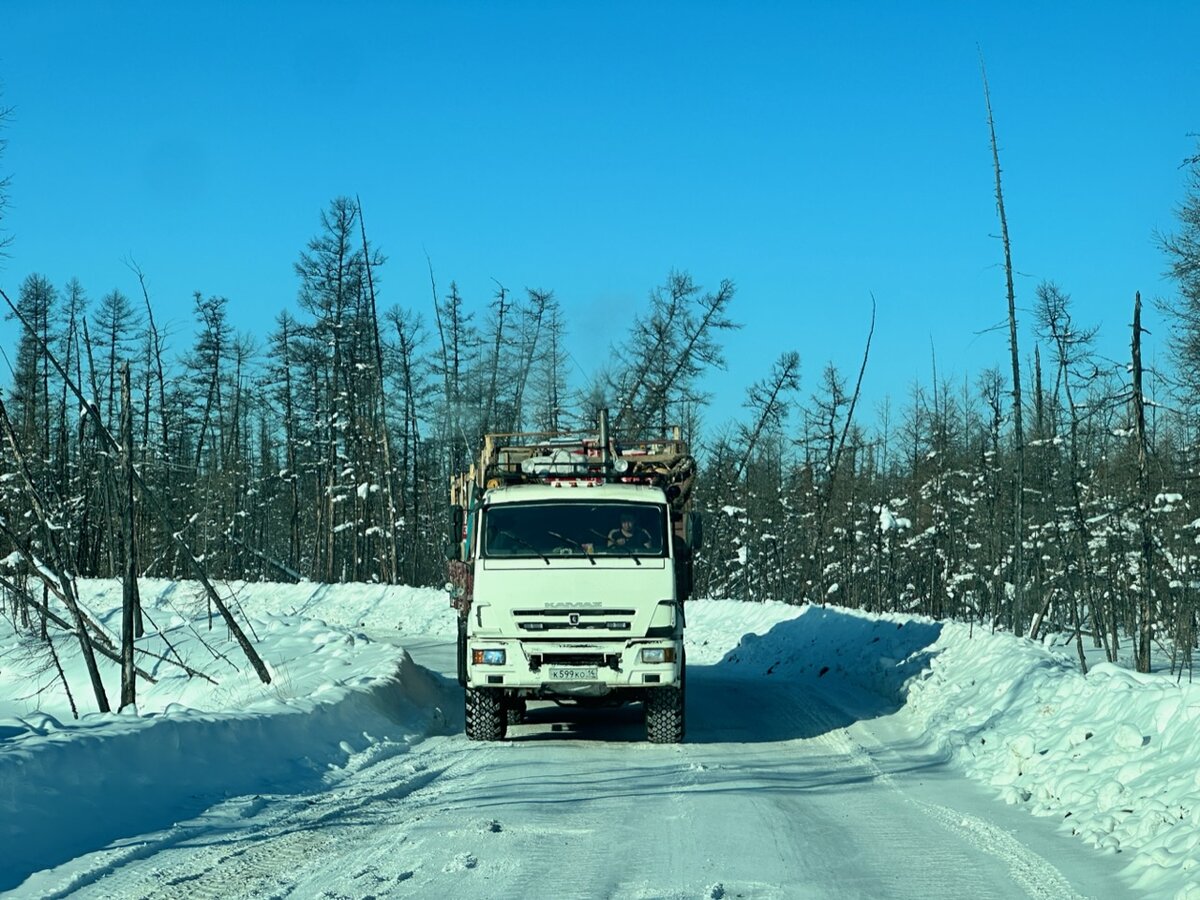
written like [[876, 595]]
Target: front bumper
[[573, 668]]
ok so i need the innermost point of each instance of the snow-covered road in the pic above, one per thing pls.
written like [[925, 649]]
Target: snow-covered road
[[778, 792]]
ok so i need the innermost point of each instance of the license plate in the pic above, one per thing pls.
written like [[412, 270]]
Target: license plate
[[573, 673]]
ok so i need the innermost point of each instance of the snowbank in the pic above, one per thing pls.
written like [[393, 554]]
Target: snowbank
[[67, 786], [1113, 754]]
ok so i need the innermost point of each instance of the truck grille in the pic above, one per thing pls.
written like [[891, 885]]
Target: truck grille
[[580, 619]]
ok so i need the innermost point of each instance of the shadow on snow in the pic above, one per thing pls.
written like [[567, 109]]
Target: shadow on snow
[[819, 672]]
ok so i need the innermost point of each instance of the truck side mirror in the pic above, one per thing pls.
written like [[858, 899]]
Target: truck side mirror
[[695, 530], [454, 530]]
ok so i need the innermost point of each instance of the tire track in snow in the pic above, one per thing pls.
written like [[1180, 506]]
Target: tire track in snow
[[1034, 874], [252, 846]]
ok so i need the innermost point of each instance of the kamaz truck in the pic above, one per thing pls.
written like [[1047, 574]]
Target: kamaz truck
[[570, 560]]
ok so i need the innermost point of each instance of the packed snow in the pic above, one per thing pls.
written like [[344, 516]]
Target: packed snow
[[1111, 757]]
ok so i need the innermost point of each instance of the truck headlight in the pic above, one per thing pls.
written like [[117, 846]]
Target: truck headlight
[[487, 657], [658, 654]]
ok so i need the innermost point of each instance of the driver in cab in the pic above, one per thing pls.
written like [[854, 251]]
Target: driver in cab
[[629, 536]]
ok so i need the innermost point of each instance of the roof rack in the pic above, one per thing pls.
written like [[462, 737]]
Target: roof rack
[[546, 457]]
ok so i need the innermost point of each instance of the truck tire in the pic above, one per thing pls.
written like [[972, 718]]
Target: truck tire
[[485, 718], [514, 710], [664, 715]]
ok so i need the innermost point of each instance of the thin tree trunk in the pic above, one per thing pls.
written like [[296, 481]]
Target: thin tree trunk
[[437, 313], [1018, 532], [62, 677], [1146, 575], [156, 343], [289, 432], [393, 573], [104, 465], [130, 605], [47, 615]]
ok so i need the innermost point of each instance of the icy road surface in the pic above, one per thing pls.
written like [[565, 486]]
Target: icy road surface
[[775, 794]]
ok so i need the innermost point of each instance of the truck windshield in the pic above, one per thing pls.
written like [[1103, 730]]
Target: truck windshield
[[575, 529]]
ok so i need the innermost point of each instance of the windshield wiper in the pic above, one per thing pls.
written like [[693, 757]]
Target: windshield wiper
[[524, 543], [625, 551], [573, 543], [615, 549]]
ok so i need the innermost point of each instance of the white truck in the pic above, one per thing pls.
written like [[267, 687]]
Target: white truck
[[570, 560]]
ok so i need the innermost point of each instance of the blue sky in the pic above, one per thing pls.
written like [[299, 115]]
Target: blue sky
[[814, 153]]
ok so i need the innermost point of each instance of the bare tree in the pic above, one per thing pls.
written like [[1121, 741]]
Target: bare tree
[[768, 399], [501, 308], [114, 321], [412, 390], [1183, 256], [1018, 523], [668, 350], [546, 369], [155, 370], [31, 398], [1072, 347], [1145, 610], [379, 397], [131, 602]]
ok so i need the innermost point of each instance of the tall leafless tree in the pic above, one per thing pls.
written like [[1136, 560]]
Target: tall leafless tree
[[1018, 515]]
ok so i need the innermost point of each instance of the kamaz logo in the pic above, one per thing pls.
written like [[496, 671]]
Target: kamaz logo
[[573, 618]]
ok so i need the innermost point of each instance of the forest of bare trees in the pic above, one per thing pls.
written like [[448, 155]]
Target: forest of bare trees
[[320, 451]]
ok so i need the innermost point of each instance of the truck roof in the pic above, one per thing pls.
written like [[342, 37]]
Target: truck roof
[[575, 491]]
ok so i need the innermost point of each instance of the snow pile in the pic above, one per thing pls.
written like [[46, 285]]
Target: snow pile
[[68, 786], [312, 638], [877, 654], [1113, 754], [715, 626]]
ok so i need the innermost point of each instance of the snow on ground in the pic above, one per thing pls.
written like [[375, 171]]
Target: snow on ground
[[1112, 755], [67, 786]]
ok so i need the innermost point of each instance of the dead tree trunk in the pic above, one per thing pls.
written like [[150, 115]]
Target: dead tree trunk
[[1018, 532], [1146, 557], [103, 464], [130, 605], [393, 573]]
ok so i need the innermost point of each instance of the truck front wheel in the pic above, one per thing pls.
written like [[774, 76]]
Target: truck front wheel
[[664, 715], [514, 710], [486, 719]]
